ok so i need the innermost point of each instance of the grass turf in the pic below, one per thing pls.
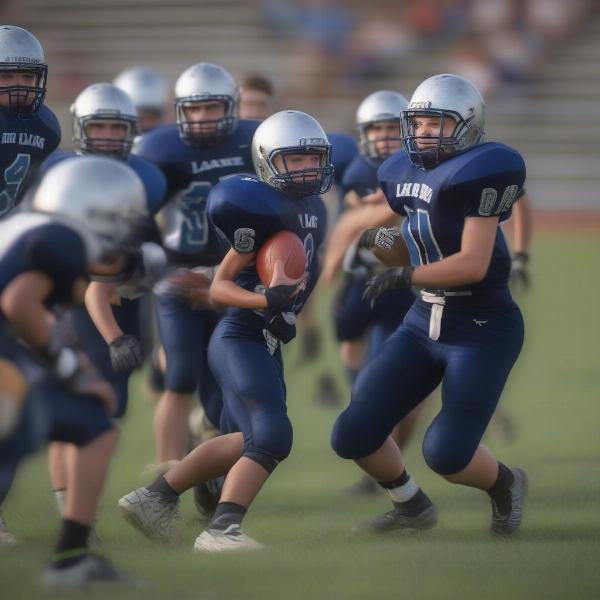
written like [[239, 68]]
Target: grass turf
[[306, 522]]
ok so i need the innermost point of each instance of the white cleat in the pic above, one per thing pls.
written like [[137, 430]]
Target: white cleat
[[7, 539], [226, 540], [151, 514]]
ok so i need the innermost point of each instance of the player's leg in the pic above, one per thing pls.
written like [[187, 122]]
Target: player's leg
[[399, 377], [182, 337], [475, 376]]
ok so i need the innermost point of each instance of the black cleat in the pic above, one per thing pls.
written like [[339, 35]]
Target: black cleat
[[92, 569], [207, 496], [418, 513], [504, 525]]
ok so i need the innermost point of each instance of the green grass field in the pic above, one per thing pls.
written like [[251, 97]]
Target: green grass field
[[306, 522]]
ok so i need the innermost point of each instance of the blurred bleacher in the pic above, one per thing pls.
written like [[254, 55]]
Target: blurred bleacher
[[553, 118]]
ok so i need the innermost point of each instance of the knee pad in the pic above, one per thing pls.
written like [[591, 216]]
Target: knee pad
[[266, 461], [442, 455], [349, 440]]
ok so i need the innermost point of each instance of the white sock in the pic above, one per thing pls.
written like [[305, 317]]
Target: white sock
[[59, 496], [403, 493]]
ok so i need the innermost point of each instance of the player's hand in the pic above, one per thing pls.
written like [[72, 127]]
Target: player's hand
[[379, 237], [282, 288], [519, 273], [125, 354], [399, 277], [187, 286], [376, 197]]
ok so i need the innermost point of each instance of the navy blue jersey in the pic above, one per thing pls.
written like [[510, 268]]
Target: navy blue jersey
[[191, 171], [25, 142], [152, 177], [360, 177], [247, 212], [343, 151], [482, 182], [34, 242]]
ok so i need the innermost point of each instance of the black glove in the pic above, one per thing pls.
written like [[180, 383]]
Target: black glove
[[125, 354], [279, 296], [276, 324], [380, 237], [519, 272], [387, 280]]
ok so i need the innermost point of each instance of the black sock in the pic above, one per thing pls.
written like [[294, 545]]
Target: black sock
[[72, 543], [500, 491], [161, 486], [226, 514], [415, 506], [390, 485]]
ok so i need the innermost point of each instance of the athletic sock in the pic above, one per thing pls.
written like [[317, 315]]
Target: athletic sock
[[500, 491], [401, 489], [59, 496], [226, 514], [161, 486], [72, 544]]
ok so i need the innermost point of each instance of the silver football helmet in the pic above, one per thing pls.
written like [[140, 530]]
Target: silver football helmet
[[103, 102], [205, 82], [383, 105], [292, 132], [146, 88], [101, 197], [447, 97], [21, 52]]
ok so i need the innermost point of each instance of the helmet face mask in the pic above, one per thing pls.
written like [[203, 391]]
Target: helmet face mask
[[206, 84], [306, 181], [21, 59], [445, 116], [104, 121]]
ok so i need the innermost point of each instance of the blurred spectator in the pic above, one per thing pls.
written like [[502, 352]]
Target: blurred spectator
[[257, 98]]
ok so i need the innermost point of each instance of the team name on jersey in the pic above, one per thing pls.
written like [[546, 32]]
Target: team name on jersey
[[217, 163], [308, 221], [23, 139], [414, 190]]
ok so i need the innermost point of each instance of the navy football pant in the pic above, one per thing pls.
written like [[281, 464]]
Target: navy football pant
[[353, 316], [471, 361], [184, 334], [254, 392]]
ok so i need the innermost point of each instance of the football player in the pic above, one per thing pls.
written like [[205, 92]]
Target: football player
[[29, 128], [464, 330], [292, 157], [149, 93], [207, 143], [257, 98], [85, 211], [105, 123], [378, 126]]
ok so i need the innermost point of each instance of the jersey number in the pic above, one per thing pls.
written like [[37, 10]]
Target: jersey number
[[418, 235], [14, 175], [192, 203]]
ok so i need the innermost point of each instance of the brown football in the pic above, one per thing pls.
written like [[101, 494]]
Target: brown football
[[285, 246]]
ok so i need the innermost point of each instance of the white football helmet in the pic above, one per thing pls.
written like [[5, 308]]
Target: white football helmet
[[292, 132], [103, 102], [448, 97], [21, 51], [205, 82], [99, 196], [383, 105], [146, 88]]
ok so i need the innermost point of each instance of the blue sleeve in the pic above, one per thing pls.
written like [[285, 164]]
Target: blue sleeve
[[343, 150], [154, 182], [237, 209], [385, 176], [59, 252], [489, 183], [52, 123]]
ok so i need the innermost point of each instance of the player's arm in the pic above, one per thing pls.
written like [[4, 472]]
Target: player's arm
[[224, 291], [22, 303], [98, 300], [348, 229], [522, 218]]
